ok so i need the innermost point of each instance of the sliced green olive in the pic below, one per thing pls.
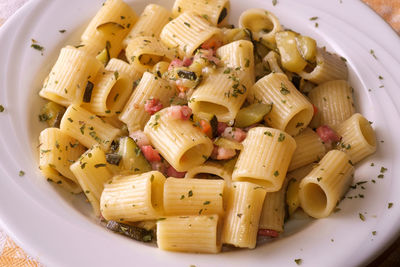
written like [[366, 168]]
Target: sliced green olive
[[252, 114]]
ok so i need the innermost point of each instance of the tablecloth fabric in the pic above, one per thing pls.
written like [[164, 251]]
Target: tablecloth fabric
[[13, 256]]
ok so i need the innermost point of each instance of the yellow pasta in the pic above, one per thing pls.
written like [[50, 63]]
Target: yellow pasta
[[264, 158], [358, 137], [188, 32], [334, 100], [87, 128], [291, 111], [191, 147], [214, 11], [133, 198], [144, 52], [190, 233], [92, 172], [309, 148], [245, 201], [321, 190], [193, 196], [69, 77], [109, 95], [150, 23], [124, 68], [223, 171], [57, 151], [149, 87]]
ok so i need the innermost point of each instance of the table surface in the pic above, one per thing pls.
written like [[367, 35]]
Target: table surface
[[12, 255]]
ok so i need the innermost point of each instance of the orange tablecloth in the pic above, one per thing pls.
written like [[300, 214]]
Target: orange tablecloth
[[13, 256]]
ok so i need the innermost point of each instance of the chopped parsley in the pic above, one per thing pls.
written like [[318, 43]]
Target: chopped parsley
[[313, 18], [284, 90], [37, 47], [298, 261], [206, 202], [390, 205], [281, 137], [362, 217], [187, 24], [21, 173], [62, 31], [274, 2], [190, 193], [1, 108], [276, 173], [100, 165], [372, 52]]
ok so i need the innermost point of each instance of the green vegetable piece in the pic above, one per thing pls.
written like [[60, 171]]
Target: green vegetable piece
[[132, 157], [131, 231], [104, 56], [252, 114], [52, 114]]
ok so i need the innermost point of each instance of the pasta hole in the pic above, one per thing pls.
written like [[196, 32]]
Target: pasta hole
[[299, 122], [157, 192], [315, 201], [118, 95], [258, 23], [150, 60], [367, 131], [193, 156], [211, 108]]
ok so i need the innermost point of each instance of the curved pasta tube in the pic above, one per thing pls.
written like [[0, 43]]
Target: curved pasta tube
[[272, 58], [133, 198], [358, 137], [291, 58], [108, 28], [149, 87], [245, 201], [144, 52], [328, 67], [57, 151], [193, 196], [291, 111], [92, 172], [214, 11], [188, 32], [238, 55], [222, 93], [110, 93], [190, 146], [321, 190], [265, 157], [262, 24], [273, 210], [310, 148], [69, 76], [87, 128], [124, 68], [150, 23], [213, 168], [334, 100], [190, 233]]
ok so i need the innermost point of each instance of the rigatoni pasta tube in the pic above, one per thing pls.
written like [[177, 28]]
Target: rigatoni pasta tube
[[57, 151], [188, 32], [193, 196], [328, 67], [358, 137], [262, 24], [109, 27], [190, 233], [149, 87], [265, 158], [69, 77], [214, 11], [150, 23], [87, 128], [321, 190], [92, 172], [238, 54], [309, 148], [221, 93], [213, 168], [291, 111], [292, 193], [133, 198], [190, 146], [109, 94], [273, 210], [334, 100], [144, 52], [245, 201], [121, 66]]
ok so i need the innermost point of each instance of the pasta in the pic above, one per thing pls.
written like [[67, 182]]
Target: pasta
[[179, 127]]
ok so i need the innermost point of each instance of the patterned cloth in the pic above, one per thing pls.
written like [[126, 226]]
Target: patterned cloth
[[13, 256]]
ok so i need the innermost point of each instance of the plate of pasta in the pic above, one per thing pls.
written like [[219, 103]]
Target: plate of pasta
[[199, 133]]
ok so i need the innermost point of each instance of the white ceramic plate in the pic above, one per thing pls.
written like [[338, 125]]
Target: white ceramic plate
[[58, 228]]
